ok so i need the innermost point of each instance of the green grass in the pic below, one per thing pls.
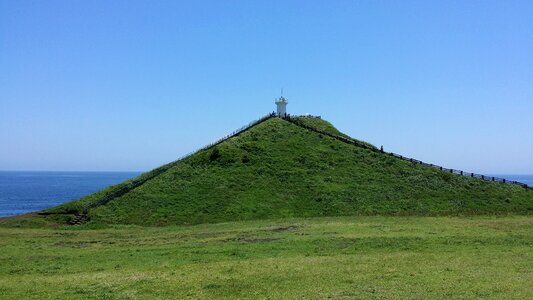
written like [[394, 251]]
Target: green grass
[[321, 125], [325, 126], [278, 170], [314, 258]]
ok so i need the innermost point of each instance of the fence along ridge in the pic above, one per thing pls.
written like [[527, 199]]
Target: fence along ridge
[[140, 180], [122, 189], [227, 136], [357, 143]]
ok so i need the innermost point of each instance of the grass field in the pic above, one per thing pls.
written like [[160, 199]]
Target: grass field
[[315, 258]]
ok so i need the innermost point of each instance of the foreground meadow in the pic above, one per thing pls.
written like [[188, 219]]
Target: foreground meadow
[[338, 258]]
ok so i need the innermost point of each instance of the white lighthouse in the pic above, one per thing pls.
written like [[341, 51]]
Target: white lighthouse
[[281, 103]]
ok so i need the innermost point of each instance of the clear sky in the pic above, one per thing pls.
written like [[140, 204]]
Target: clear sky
[[130, 85]]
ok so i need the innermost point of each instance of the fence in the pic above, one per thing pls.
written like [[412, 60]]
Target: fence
[[230, 135], [298, 122], [122, 189]]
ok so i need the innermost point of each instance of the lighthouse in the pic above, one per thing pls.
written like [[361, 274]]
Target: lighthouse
[[281, 104]]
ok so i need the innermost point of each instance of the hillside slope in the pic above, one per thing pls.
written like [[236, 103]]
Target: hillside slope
[[278, 169]]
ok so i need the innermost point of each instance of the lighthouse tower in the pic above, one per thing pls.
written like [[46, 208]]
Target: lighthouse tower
[[281, 103]]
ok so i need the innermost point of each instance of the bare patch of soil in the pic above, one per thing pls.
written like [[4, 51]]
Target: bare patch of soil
[[285, 228], [18, 216]]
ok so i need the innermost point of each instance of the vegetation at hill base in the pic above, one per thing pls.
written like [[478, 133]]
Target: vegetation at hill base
[[277, 169], [477, 257]]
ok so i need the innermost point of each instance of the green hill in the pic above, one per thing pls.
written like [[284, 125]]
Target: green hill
[[278, 169]]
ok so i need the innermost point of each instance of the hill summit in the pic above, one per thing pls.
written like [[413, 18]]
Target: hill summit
[[289, 167]]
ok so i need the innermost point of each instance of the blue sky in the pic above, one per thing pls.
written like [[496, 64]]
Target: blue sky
[[130, 85]]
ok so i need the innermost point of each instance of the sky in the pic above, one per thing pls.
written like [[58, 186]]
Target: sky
[[130, 85]]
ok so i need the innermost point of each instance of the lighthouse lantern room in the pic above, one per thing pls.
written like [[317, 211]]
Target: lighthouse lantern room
[[281, 104]]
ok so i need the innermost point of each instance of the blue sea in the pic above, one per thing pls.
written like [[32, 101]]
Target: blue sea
[[22, 192]]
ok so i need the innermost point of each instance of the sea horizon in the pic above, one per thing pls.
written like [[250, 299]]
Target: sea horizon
[[29, 191]]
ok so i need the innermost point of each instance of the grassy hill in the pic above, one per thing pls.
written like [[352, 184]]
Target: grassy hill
[[278, 169]]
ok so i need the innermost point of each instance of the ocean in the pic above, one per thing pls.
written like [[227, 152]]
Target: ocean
[[22, 192], [27, 191]]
